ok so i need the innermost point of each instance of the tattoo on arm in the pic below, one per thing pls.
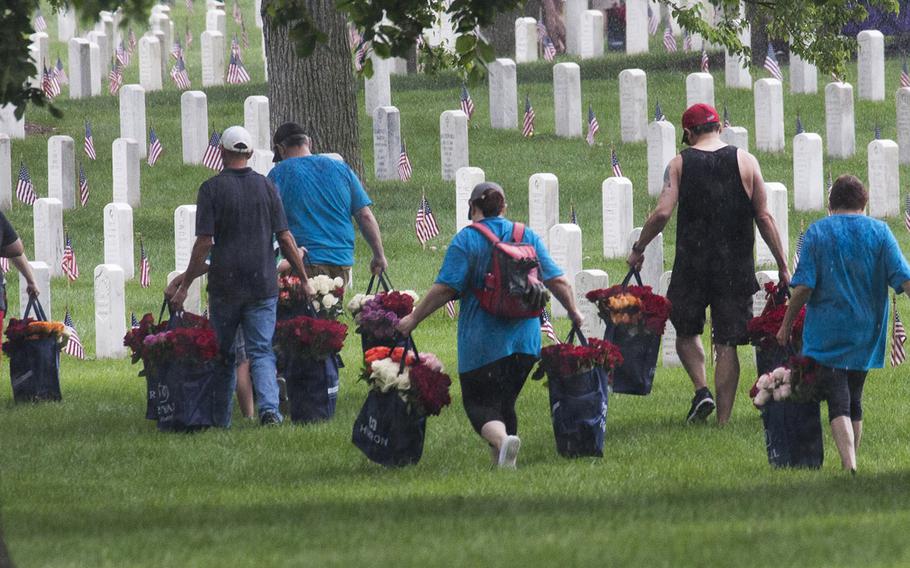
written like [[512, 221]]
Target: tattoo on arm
[[667, 175]]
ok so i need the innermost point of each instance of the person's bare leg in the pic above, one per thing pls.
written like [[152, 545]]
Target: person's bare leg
[[726, 379], [692, 355], [843, 438], [245, 390], [494, 432], [857, 434], [504, 447]]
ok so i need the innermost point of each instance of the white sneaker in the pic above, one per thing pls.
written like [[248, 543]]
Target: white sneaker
[[508, 452]]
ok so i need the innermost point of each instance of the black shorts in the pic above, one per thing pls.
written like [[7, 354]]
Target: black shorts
[[730, 314], [489, 392], [843, 390]]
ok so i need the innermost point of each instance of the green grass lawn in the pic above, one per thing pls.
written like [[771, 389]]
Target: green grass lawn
[[89, 482]]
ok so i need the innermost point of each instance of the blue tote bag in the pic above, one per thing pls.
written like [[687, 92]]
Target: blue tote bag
[[34, 366]]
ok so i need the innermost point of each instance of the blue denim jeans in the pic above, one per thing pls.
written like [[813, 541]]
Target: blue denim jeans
[[257, 318]]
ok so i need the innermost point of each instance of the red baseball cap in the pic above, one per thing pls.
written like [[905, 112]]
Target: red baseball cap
[[697, 115]]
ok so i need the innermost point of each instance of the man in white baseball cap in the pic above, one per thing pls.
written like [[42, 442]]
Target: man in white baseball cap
[[238, 213]]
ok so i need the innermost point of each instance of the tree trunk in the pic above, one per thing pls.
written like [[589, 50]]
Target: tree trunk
[[319, 92], [5, 561], [501, 34]]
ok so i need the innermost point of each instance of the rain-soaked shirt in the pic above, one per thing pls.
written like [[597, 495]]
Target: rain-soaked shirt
[[849, 261]]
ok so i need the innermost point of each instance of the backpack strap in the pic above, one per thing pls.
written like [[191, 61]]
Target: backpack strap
[[518, 232], [485, 231]]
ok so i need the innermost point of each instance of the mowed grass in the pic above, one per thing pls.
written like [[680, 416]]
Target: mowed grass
[[89, 482]]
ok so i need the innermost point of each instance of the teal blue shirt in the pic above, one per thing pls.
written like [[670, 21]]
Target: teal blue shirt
[[482, 337], [849, 261], [320, 195]]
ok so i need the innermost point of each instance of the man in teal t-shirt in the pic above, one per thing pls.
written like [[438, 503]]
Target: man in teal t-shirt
[[320, 196]]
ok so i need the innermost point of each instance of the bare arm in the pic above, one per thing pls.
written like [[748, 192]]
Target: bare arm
[[798, 299], [666, 203], [16, 253], [765, 222], [561, 289], [196, 268], [436, 297], [369, 227]]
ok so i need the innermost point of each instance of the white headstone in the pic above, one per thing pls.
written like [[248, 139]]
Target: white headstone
[[48, 235], [6, 172], [616, 195], [566, 250], [216, 21], [378, 88], [653, 266], [808, 172], [110, 312], [567, 99], [633, 105], [212, 58], [132, 116], [256, 121], [736, 67], [453, 142], [661, 149], [465, 180], [261, 161], [194, 120], [525, 40], [769, 115], [736, 136], [636, 26], [125, 172], [66, 23], [386, 142], [903, 124], [105, 52], [759, 301], [9, 124], [573, 20], [150, 62], [884, 179], [779, 209], [258, 13], [184, 235], [39, 50], [118, 238], [42, 273], [503, 94], [803, 76], [97, 69], [164, 52], [585, 281], [839, 121], [699, 89], [61, 170], [80, 68], [592, 34], [193, 302], [543, 204], [398, 66], [669, 356], [870, 62]]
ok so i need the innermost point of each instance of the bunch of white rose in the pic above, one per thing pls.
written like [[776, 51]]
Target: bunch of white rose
[[328, 295]]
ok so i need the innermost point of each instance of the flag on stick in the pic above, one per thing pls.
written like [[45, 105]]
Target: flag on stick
[[237, 74], [155, 148], [727, 123], [60, 72], [614, 161], [115, 77], [74, 345], [467, 104], [49, 85], [179, 75], [653, 21], [898, 337], [527, 129], [39, 24], [546, 326], [573, 216], [907, 213], [68, 263], [669, 40], [905, 75], [145, 266], [25, 191], [83, 186], [212, 157], [771, 64], [799, 249], [425, 223], [89, 142], [799, 124], [705, 63], [659, 113], [404, 164], [593, 127], [877, 132], [134, 323]]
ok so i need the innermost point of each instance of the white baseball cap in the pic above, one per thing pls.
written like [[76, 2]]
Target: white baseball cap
[[237, 139]]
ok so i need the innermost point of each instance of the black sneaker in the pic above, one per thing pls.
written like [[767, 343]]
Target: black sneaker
[[269, 419], [702, 406]]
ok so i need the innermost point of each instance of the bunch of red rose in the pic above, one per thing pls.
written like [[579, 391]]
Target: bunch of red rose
[[399, 303], [134, 338], [430, 388], [632, 306], [310, 338], [763, 329], [183, 344], [290, 291], [566, 360]]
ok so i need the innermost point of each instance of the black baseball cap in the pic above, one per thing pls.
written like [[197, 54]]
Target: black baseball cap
[[284, 133]]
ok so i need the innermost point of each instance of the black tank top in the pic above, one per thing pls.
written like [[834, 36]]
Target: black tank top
[[715, 234]]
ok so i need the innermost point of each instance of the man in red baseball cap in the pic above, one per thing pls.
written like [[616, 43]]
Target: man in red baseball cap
[[721, 193]]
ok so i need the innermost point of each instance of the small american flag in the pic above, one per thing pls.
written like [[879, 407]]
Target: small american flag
[[89, 142], [83, 186], [177, 50], [116, 78], [687, 42], [771, 64], [830, 184], [614, 161], [361, 54], [134, 323], [542, 30], [49, 84], [145, 266], [593, 127], [62, 77], [727, 123], [467, 104], [905, 75], [907, 213], [573, 216], [179, 75], [653, 21], [155, 147], [25, 191], [212, 157], [546, 326], [131, 41], [123, 57], [236, 13], [237, 74], [40, 24], [404, 164], [425, 223], [799, 249], [877, 133], [799, 125], [4, 264], [68, 263], [527, 129], [898, 337], [549, 49], [450, 309], [669, 40], [705, 63], [659, 113], [244, 36], [74, 345]]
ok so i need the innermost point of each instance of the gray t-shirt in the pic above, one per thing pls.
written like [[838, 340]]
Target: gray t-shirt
[[241, 211]]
